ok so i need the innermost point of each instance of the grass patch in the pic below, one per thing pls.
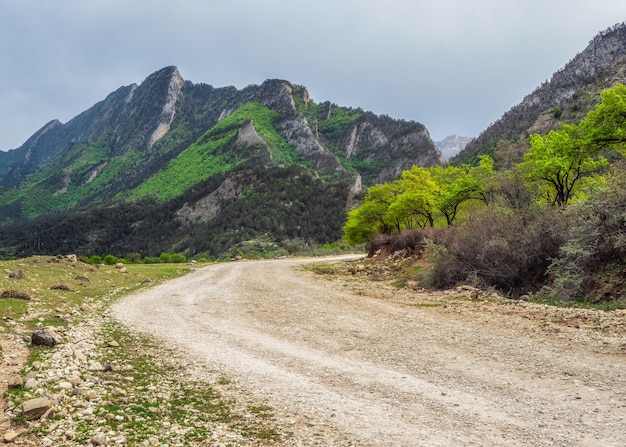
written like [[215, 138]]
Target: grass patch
[[142, 393], [49, 307]]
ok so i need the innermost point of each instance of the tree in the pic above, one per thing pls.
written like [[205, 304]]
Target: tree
[[559, 160], [459, 184], [416, 203], [605, 126], [372, 217]]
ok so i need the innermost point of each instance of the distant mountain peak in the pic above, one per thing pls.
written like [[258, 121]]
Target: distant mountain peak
[[452, 145]]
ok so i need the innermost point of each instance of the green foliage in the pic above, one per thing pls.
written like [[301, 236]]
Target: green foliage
[[172, 258], [282, 204], [42, 193], [558, 162], [337, 120], [422, 197], [110, 260], [213, 153]]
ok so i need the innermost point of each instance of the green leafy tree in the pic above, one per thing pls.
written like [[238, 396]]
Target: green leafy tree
[[558, 161], [372, 216], [459, 184], [605, 126], [415, 205]]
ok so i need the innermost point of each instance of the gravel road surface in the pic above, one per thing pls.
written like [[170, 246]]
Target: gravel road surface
[[344, 365]]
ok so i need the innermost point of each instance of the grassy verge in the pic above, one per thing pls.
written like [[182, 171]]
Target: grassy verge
[[141, 393], [54, 288]]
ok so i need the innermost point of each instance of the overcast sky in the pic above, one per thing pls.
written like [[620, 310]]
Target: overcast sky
[[454, 65]]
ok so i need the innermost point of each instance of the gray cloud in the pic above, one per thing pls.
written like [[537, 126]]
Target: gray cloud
[[453, 65]]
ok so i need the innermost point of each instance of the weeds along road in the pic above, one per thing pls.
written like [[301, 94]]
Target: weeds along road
[[374, 368]]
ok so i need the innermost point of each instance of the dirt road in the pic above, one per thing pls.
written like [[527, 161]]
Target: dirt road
[[374, 368]]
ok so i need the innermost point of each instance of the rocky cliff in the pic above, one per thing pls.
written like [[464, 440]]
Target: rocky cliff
[[567, 97]]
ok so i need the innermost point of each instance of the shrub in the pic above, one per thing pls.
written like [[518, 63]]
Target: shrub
[[503, 251], [596, 241], [110, 260]]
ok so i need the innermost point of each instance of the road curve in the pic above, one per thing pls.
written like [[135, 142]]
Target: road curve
[[386, 372]]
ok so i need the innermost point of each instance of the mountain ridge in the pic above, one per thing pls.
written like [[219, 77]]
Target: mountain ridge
[[160, 141], [571, 92]]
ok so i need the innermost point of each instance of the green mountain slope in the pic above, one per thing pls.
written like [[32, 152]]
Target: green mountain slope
[[153, 148]]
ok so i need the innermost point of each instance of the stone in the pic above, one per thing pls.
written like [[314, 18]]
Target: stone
[[35, 408], [67, 386], [113, 344], [119, 392], [15, 382], [94, 365], [46, 337], [16, 294], [30, 384], [10, 436], [18, 274], [119, 265], [75, 380], [99, 439]]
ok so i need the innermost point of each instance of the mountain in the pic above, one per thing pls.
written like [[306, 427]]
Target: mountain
[[452, 145], [170, 154], [567, 97]]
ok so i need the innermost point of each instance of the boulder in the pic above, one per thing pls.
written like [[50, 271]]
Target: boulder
[[15, 294], [18, 274], [35, 408], [46, 337]]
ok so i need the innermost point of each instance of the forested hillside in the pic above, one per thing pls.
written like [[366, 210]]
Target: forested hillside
[[123, 176], [552, 225]]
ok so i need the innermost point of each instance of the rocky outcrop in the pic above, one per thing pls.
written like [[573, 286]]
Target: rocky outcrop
[[297, 132], [210, 205], [169, 108], [390, 145]]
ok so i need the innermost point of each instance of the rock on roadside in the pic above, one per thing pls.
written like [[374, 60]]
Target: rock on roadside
[[46, 337]]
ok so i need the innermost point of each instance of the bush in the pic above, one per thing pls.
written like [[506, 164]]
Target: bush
[[493, 249], [409, 241], [110, 260], [596, 243]]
